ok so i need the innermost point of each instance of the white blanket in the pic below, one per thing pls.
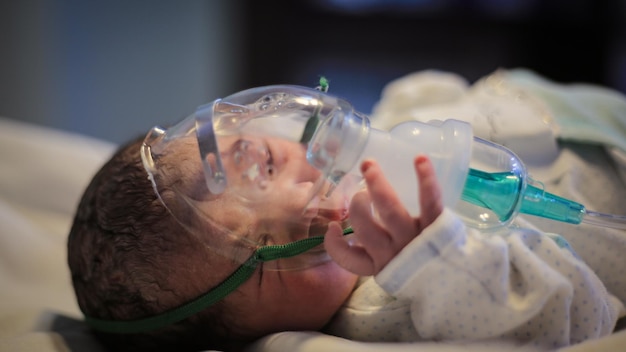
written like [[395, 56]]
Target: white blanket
[[42, 175]]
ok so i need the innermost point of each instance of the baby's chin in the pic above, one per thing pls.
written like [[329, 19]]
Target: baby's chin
[[338, 284], [328, 286], [319, 224], [305, 299]]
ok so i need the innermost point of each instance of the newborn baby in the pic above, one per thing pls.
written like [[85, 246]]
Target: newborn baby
[[147, 247]]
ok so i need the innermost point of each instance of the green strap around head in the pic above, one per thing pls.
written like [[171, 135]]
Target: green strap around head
[[313, 121], [241, 275]]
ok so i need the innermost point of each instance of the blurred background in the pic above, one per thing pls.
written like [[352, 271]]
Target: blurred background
[[112, 69]]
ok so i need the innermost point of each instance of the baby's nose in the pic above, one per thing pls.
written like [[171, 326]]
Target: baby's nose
[[252, 159]]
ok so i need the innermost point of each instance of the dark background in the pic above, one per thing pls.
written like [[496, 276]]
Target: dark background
[[113, 69], [361, 45]]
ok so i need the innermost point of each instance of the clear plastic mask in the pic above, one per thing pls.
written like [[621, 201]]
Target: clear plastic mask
[[274, 165], [236, 173]]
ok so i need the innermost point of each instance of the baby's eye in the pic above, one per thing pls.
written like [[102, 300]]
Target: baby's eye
[[269, 166], [239, 150]]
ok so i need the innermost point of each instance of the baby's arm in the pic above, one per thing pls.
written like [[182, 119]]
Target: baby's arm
[[518, 284], [376, 242]]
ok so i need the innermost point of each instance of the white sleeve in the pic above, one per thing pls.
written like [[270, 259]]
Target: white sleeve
[[464, 284]]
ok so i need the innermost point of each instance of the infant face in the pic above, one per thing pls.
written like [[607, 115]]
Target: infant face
[[272, 178], [303, 299], [267, 202]]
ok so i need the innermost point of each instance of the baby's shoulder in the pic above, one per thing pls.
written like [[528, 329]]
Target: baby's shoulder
[[368, 294]]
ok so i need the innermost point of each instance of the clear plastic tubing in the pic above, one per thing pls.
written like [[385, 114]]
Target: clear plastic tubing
[[495, 191], [489, 180]]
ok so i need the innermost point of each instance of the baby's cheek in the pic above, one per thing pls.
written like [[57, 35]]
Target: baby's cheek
[[315, 295], [330, 282], [290, 201]]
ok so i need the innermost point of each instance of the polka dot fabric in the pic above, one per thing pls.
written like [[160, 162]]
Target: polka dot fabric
[[452, 283]]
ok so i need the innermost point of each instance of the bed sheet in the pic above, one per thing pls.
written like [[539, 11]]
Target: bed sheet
[[42, 175], [44, 171]]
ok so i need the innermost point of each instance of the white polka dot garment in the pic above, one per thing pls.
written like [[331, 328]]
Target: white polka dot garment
[[451, 283]]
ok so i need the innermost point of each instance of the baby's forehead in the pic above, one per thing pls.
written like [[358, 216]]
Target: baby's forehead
[[182, 155], [186, 188]]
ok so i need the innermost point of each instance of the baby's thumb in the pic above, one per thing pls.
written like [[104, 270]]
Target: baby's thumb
[[349, 257]]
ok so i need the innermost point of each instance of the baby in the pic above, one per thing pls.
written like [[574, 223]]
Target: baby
[[395, 278]]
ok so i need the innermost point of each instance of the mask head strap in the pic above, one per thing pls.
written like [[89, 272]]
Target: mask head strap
[[209, 151], [241, 275]]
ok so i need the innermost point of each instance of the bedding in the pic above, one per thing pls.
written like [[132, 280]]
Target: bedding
[[43, 172], [42, 175]]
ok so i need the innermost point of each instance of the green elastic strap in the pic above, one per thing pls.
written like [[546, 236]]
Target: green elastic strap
[[313, 121], [241, 275]]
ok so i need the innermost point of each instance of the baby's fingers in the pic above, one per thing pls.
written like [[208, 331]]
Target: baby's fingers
[[392, 214], [430, 192]]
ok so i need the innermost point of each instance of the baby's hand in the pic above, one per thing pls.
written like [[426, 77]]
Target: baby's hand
[[376, 242]]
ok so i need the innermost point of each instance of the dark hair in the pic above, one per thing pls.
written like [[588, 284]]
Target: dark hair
[[130, 259]]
